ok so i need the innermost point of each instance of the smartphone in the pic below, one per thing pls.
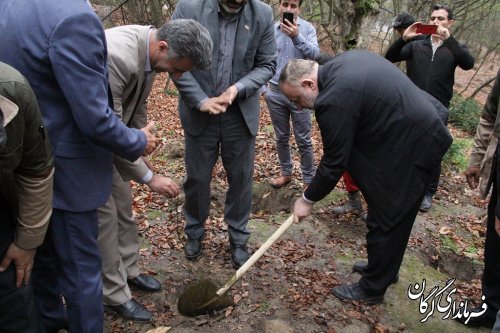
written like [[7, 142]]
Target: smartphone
[[287, 16], [426, 29]]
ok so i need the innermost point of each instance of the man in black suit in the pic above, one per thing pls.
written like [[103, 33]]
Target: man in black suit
[[377, 124]]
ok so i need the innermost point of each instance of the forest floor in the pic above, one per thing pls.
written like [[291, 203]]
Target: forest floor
[[288, 290]]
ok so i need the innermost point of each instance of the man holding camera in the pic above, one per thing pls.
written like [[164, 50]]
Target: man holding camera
[[296, 39], [432, 66]]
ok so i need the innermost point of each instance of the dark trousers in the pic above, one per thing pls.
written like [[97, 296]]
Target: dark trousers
[[18, 313], [491, 274], [386, 249], [68, 264], [226, 135], [433, 185]]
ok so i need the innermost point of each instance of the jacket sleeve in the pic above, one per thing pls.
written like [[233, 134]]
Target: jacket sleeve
[[33, 176], [399, 51], [264, 61], [461, 52], [481, 141], [136, 171], [308, 43], [80, 59]]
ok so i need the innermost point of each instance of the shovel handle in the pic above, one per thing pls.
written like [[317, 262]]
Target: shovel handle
[[251, 261]]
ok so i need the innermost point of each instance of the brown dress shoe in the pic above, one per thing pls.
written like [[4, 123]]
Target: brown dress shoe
[[281, 181]]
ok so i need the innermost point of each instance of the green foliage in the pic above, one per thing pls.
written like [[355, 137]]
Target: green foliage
[[465, 113], [448, 243], [456, 157], [171, 92], [365, 7]]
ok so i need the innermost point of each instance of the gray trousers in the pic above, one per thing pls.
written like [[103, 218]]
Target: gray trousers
[[118, 242], [281, 111], [226, 135]]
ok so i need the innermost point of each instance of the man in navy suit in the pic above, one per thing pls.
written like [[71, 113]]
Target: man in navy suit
[[59, 46]]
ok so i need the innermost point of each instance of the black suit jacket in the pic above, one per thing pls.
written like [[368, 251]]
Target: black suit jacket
[[377, 124]]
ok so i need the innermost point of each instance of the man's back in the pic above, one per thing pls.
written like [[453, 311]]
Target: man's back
[[395, 131], [62, 54]]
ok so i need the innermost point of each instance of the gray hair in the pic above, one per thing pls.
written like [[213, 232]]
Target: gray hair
[[295, 70], [187, 38]]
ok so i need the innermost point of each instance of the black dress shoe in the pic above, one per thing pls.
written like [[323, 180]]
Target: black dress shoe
[[130, 310], [426, 203], [354, 292], [359, 267], [239, 255], [192, 248], [145, 282], [487, 319]]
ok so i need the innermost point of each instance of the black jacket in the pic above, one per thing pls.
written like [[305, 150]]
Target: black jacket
[[377, 124], [436, 75]]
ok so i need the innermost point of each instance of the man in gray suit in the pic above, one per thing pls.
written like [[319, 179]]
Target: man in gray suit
[[135, 54], [219, 110]]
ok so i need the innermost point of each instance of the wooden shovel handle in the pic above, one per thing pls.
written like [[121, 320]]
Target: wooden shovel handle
[[249, 263]]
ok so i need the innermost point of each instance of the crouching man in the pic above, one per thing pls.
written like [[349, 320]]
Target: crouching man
[[377, 124]]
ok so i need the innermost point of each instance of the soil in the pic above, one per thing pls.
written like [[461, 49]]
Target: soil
[[288, 290]]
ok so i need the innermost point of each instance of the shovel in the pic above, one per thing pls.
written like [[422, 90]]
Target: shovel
[[203, 297]]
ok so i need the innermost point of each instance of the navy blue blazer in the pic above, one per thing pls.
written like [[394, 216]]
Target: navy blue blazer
[[60, 47]]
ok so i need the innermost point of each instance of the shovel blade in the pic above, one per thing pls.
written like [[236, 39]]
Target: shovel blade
[[202, 298]]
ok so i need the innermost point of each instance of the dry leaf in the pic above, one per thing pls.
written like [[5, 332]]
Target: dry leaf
[[162, 329]]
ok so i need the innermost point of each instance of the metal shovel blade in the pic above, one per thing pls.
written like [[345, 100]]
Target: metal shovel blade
[[202, 298]]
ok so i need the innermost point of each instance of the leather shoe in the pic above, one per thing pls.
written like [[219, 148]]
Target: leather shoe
[[354, 292], [281, 181], [145, 282], [359, 267], [239, 254], [192, 248], [130, 310], [487, 319], [426, 203]]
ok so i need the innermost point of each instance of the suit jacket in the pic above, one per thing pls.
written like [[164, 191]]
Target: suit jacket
[[254, 61], [59, 46], [377, 124], [130, 85]]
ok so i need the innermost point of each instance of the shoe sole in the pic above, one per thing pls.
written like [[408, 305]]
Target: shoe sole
[[368, 301], [116, 314], [194, 256]]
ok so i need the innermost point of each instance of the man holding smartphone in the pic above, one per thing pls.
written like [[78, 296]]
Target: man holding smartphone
[[432, 66], [296, 39]]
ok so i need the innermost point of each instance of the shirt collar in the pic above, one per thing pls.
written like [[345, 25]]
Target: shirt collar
[[9, 110]]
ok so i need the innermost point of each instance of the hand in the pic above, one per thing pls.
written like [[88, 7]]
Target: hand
[[230, 94], [215, 105], [411, 32], [152, 142], [164, 185], [148, 163], [289, 28], [472, 176], [301, 209], [442, 33], [23, 260], [497, 226]]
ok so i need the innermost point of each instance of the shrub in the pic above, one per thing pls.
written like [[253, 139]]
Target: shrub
[[465, 113]]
